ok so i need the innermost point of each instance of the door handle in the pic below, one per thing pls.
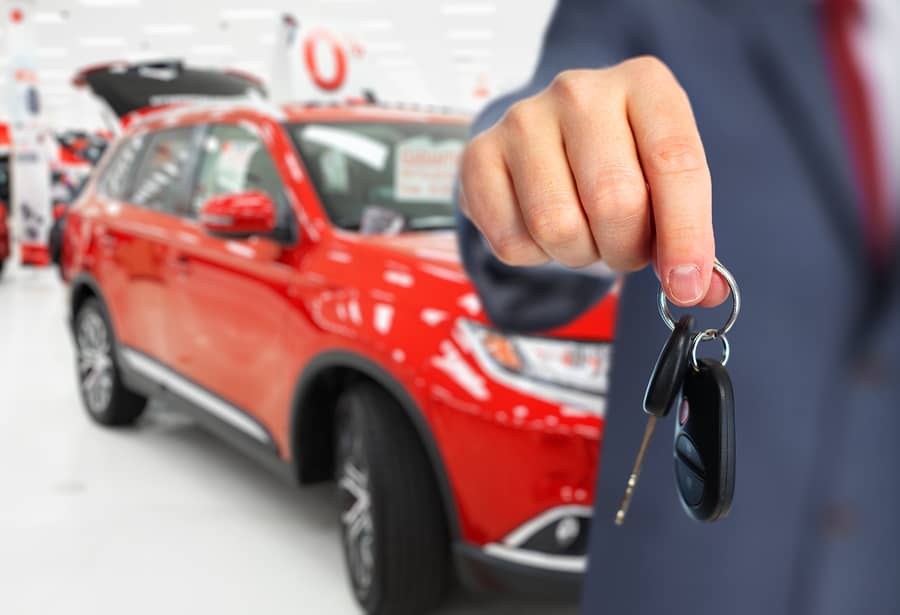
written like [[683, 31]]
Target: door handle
[[181, 263]]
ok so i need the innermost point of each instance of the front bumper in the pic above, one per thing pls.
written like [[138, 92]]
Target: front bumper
[[481, 570], [545, 557]]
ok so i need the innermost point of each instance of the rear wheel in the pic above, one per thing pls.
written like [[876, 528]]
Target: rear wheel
[[105, 397], [392, 521]]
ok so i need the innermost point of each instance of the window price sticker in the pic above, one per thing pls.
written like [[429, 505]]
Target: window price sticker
[[425, 170]]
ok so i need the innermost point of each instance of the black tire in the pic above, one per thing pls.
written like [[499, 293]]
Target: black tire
[[378, 451], [106, 398]]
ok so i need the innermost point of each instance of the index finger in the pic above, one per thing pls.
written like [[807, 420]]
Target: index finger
[[674, 164]]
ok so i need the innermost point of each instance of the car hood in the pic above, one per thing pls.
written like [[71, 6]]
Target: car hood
[[438, 247], [403, 257]]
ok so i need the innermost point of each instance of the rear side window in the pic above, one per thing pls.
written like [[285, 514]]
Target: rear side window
[[119, 173], [164, 176]]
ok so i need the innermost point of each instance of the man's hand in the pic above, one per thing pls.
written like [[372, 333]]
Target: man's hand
[[602, 165]]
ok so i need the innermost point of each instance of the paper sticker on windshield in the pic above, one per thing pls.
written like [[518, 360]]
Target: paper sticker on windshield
[[425, 170]]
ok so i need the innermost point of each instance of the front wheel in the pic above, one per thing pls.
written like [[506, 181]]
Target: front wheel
[[393, 527], [107, 400]]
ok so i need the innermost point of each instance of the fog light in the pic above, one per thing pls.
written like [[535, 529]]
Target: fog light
[[567, 531]]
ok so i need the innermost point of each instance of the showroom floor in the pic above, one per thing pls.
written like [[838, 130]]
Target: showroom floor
[[162, 519]]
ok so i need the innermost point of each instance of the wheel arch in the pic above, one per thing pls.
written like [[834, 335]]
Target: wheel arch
[[83, 287], [312, 456]]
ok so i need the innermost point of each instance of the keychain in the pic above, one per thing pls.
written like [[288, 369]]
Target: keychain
[[703, 447]]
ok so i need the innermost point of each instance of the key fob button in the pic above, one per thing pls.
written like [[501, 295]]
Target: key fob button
[[689, 484], [687, 452]]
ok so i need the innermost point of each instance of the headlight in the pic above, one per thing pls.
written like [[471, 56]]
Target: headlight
[[567, 371]]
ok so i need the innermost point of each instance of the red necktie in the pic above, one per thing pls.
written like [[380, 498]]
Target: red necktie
[[854, 104]]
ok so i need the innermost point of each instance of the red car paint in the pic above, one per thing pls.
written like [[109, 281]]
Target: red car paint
[[245, 318]]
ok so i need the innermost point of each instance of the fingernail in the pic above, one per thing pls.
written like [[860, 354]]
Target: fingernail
[[684, 283]]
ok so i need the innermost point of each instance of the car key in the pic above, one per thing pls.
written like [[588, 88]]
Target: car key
[[671, 367], [704, 448], [662, 392], [704, 442]]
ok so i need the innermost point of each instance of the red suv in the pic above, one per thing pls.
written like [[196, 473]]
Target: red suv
[[290, 278]]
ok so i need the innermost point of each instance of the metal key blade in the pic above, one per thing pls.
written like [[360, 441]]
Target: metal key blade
[[635, 471]]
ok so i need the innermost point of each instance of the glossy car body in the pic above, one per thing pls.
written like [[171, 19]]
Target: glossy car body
[[254, 336]]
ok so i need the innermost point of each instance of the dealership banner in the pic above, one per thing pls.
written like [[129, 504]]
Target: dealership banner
[[31, 140], [316, 61]]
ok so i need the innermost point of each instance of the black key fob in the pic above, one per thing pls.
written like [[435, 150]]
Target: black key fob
[[704, 442], [671, 367]]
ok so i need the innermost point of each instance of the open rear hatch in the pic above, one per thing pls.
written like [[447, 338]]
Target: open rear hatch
[[128, 87]]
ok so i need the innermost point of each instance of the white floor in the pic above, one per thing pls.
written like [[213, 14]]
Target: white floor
[[161, 519]]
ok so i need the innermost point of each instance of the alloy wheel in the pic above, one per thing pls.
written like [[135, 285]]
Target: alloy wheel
[[95, 366], [357, 523]]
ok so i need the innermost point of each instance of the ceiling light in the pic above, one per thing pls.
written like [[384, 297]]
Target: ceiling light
[[106, 3], [248, 14], [169, 29], [48, 17], [52, 52], [376, 25], [396, 62], [470, 35], [212, 50], [471, 53], [385, 47], [60, 88], [480, 8], [55, 73], [472, 67], [101, 41]]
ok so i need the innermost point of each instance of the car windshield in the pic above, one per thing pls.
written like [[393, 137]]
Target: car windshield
[[383, 177]]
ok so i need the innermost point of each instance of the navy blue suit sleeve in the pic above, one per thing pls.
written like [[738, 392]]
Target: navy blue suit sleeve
[[582, 34]]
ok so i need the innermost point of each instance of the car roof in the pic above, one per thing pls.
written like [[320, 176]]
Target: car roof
[[155, 118], [372, 112]]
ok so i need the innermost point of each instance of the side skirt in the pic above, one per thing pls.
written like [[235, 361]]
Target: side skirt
[[234, 425]]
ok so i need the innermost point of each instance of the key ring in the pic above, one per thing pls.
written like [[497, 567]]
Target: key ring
[[709, 334], [735, 305]]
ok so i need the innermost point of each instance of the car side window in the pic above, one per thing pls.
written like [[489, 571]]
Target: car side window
[[164, 176], [119, 173], [236, 160]]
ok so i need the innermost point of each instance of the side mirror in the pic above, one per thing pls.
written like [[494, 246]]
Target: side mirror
[[242, 214]]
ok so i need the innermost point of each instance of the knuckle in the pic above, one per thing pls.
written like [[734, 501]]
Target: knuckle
[[648, 67], [677, 155], [581, 258], [620, 199], [476, 157], [513, 248], [572, 88], [520, 117], [632, 258], [685, 236], [557, 226]]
